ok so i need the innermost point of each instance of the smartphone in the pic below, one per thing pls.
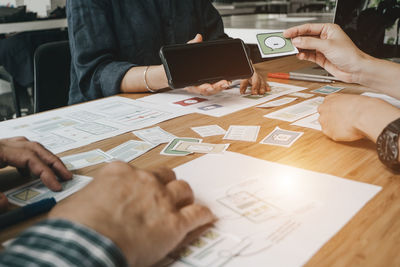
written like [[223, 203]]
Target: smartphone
[[205, 62]]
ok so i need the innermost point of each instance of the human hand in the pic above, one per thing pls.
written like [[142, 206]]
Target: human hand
[[146, 214], [338, 117], [330, 47], [258, 85], [345, 117], [31, 157]]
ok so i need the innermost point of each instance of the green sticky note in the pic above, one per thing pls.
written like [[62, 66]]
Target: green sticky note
[[274, 43]]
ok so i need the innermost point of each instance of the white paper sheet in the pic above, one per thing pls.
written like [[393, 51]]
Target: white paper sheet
[[221, 104], [277, 208], [309, 122], [297, 111], [79, 125]]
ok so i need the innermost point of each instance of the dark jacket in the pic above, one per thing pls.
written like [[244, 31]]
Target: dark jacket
[[108, 37]]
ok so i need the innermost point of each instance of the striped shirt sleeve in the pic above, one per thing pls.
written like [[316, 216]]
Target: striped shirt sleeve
[[56, 242]]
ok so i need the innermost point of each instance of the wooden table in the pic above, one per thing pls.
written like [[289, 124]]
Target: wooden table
[[371, 238]]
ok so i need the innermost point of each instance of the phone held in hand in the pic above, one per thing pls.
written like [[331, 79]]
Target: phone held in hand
[[205, 62]]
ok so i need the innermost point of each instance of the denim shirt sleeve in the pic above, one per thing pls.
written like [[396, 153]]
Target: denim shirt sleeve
[[93, 49]]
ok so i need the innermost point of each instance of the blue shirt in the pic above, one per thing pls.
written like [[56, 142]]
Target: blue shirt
[[108, 37]]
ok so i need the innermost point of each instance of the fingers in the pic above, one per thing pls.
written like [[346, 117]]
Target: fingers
[[305, 29], [51, 160], [311, 43], [197, 39], [209, 89], [181, 193], [256, 84], [3, 203], [164, 175], [194, 216], [243, 86], [39, 169]]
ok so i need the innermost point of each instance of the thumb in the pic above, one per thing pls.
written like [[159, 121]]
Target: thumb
[[311, 43], [197, 39]]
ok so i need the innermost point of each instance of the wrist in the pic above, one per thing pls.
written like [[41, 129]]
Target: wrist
[[365, 68], [372, 116], [156, 77]]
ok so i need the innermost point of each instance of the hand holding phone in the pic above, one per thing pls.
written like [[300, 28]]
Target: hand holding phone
[[208, 64]]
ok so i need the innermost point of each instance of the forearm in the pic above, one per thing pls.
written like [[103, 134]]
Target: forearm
[[380, 75], [135, 80]]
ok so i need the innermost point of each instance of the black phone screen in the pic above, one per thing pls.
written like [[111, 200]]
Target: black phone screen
[[192, 64]]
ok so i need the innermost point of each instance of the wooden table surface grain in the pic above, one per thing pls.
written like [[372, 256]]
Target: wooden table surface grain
[[370, 238]]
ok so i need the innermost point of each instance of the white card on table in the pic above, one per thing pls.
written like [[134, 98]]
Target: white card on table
[[154, 135], [242, 133], [297, 111], [302, 95], [280, 137], [276, 103], [208, 130], [327, 89], [85, 159], [311, 122], [130, 150], [200, 147], [36, 191]]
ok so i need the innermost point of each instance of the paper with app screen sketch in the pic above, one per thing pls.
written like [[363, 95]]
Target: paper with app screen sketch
[[221, 104], [75, 126], [311, 122], [130, 150], [35, 191], [295, 112], [273, 207], [273, 44]]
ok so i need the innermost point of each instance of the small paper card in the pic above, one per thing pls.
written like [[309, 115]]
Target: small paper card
[[130, 150], [273, 44], [277, 103], [169, 148], [154, 135], [242, 133], [280, 137], [200, 147], [327, 89], [85, 159], [209, 130], [36, 191]]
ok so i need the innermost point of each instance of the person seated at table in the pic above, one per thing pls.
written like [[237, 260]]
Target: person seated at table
[[125, 216], [352, 117], [32, 158], [115, 45]]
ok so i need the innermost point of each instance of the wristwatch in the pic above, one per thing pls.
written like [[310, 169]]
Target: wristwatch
[[387, 145]]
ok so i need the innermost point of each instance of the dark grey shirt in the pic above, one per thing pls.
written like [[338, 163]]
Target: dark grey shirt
[[108, 37]]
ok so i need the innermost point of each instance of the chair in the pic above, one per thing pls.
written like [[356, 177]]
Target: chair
[[52, 63]]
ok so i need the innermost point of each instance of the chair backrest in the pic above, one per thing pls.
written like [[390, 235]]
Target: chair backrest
[[52, 63]]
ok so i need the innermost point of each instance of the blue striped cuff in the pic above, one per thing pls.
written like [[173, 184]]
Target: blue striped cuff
[[56, 242]]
